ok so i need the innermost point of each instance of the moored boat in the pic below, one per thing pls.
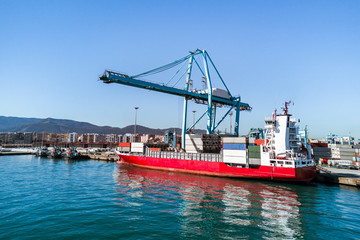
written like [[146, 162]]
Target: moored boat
[[42, 152], [54, 152], [70, 154]]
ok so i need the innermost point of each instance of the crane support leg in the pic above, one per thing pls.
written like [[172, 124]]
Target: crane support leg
[[226, 114], [213, 121], [237, 118], [210, 105], [183, 131], [187, 86]]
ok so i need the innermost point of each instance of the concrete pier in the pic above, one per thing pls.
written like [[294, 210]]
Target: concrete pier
[[103, 156], [338, 176]]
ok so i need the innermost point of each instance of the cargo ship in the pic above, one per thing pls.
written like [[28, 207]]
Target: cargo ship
[[282, 155]]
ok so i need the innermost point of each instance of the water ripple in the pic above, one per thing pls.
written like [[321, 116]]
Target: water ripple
[[56, 199]]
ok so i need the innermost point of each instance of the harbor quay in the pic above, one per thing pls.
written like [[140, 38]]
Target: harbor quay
[[342, 176]]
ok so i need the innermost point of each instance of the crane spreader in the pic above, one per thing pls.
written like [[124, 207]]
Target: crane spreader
[[210, 96]]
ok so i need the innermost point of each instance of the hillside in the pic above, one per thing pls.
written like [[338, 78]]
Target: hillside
[[51, 125]]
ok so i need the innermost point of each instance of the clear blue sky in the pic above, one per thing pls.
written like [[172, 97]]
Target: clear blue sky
[[51, 53]]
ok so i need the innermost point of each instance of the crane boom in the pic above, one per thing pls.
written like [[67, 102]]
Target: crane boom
[[114, 77]]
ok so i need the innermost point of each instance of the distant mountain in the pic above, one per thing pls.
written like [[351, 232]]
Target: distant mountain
[[51, 125], [10, 122]]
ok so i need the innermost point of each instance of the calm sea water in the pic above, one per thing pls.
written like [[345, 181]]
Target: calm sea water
[[58, 199]]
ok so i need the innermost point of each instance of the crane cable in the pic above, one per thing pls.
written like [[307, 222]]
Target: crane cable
[[184, 73], [176, 74], [162, 68]]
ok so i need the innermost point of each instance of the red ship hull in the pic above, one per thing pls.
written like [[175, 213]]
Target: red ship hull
[[220, 169]]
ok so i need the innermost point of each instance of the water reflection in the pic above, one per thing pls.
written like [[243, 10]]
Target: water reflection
[[209, 207]]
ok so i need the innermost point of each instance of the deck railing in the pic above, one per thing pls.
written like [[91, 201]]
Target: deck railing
[[209, 157]]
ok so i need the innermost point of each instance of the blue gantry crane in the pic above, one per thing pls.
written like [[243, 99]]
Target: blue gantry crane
[[212, 97]]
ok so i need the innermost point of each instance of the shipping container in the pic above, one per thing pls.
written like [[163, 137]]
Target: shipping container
[[155, 149], [236, 160], [137, 150], [347, 150], [254, 149], [189, 146], [193, 151], [193, 143], [124, 149], [234, 140], [340, 162], [343, 146], [254, 161], [259, 142], [234, 153], [234, 146], [137, 147], [254, 155], [192, 136], [124, 144], [137, 144], [321, 149]]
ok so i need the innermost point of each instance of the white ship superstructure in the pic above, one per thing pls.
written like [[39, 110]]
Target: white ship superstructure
[[284, 146]]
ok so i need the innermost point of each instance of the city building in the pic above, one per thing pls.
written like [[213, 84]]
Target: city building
[[73, 137]]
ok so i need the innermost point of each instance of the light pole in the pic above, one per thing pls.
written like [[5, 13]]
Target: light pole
[[194, 111], [136, 108], [230, 114]]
